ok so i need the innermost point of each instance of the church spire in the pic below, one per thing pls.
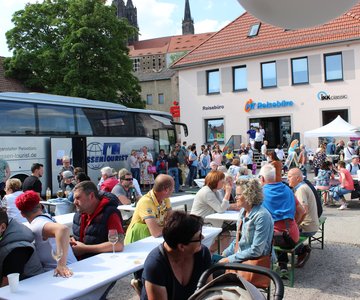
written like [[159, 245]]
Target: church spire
[[188, 22]]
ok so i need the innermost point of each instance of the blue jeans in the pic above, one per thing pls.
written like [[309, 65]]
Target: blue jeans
[[192, 175], [136, 173], [174, 172], [337, 192]]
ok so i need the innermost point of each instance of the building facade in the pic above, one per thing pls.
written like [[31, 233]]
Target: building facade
[[251, 73]]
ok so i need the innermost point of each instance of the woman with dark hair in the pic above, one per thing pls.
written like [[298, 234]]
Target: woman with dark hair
[[274, 160], [208, 200], [172, 270]]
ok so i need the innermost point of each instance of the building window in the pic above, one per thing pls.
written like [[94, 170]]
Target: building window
[[299, 69], [254, 30], [268, 74], [136, 64], [239, 78], [213, 81], [333, 67], [161, 98], [215, 130], [149, 99]]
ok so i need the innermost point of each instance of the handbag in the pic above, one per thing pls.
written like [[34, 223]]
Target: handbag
[[260, 281], [151, 170]]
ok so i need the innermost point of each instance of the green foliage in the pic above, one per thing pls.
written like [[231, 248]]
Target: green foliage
[[74, 48]]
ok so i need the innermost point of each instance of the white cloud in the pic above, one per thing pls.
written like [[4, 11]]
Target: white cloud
[[158, 18], [209, 25]]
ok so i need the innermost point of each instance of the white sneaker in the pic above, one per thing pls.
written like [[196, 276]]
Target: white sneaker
[[343, 206]]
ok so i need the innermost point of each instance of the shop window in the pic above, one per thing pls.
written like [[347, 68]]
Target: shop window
[[268, 74], [214, 130], [213, 81], [333, 67], [239, 78], [161, 98], [299, 70], [149, 99]]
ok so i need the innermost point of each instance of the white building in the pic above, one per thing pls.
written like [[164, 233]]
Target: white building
[[288, 81]]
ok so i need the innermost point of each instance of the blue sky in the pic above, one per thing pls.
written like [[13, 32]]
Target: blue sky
[[156, 18]]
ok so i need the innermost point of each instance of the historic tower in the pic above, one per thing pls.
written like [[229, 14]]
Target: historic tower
[[130, 13], [188, 22]]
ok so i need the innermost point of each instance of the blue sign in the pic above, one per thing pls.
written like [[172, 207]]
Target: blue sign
[[98, 155]]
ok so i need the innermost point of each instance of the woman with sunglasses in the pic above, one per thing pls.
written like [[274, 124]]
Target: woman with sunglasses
[[254, 227], [172, 270]]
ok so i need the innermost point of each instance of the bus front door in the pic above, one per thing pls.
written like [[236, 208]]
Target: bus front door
[[74, 147]]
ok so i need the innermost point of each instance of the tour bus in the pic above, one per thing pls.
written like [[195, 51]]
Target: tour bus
[[43, 128]]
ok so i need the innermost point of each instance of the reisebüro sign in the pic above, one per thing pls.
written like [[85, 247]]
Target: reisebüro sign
[[251, 105]]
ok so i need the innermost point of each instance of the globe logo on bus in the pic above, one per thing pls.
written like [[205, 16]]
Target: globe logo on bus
[[94, 150]]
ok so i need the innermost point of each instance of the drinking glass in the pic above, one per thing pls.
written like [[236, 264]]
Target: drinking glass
[[113, 239]]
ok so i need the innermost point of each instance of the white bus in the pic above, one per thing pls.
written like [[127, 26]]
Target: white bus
[[43, 128]]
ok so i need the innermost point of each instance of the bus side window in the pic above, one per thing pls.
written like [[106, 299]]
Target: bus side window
[[17, 118], [121, 123], [56, 120], [97, 120]]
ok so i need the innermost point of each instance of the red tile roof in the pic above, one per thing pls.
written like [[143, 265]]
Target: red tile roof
[[9, 84], [232, 41], [168, 44]]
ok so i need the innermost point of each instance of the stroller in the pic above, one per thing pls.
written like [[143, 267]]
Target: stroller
[[232, 286]]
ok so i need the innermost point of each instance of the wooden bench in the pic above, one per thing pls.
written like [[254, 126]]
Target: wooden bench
[[319, 236], [291, 251]]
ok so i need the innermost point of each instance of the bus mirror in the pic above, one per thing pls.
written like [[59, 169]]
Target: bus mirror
[[184, 126]]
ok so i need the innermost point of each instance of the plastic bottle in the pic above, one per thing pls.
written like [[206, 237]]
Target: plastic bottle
[[48, 193], [132, 197]]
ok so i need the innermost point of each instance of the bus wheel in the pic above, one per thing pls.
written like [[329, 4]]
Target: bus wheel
[[21, 177]]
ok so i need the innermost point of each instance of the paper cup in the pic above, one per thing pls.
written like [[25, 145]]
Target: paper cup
[[13, 281]]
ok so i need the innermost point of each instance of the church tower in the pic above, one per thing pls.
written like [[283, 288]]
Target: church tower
[[130, 13], [188, 22]]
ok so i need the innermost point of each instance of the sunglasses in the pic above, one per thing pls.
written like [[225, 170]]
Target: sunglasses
[[198, 240], [127, 179]]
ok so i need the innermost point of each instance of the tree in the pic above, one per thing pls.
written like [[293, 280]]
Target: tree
[[74, 48]]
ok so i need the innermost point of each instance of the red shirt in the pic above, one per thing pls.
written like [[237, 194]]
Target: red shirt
[[349, 182], [108, 184]]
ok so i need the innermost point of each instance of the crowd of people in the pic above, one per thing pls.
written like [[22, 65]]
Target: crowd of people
[[269, 210]]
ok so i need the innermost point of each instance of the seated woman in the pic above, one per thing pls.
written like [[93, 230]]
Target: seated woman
[[235, 167], [244, 173], [172, 270], [323, 179], [208, 200], [17, 252], [346, 185], [255, 224]]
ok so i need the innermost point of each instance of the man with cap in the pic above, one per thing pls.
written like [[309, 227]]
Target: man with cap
[[96, 214], [68, 182], [49, 235], [353, 166]]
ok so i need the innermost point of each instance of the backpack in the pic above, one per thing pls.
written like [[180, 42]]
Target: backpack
[[317, 197]]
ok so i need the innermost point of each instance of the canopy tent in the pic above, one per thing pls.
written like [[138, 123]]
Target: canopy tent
[[337, 127]]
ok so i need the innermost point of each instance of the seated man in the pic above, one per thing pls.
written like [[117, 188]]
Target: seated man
[[279, 200], [353, 167], [49, 235], [125, 187], [109, 179], [346, 185], [310, 224], [96, 213], [17, 252], [148, 218]]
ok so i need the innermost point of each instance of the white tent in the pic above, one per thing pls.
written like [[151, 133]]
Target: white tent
[[338, 127]]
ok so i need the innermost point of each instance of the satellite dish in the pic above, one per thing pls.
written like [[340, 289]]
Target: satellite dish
[[296, 14]]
